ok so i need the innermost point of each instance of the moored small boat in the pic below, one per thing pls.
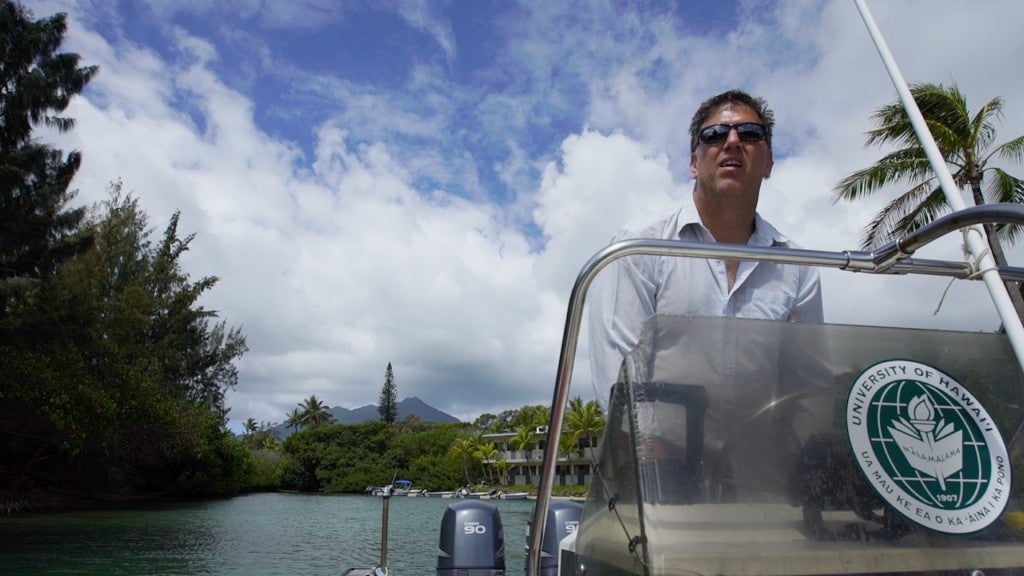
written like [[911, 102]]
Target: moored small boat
[[441, 494], [502, 495]]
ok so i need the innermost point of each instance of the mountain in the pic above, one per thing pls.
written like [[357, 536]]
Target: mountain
[[411, 406]]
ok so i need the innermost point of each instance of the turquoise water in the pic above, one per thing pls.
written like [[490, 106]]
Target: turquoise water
[[271, 534]]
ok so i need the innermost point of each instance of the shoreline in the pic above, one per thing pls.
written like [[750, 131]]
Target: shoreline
[[40, 501]]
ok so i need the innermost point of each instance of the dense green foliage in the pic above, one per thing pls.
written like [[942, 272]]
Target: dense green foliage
[[36, 85], [350, 457], [116, 375], [335, 457], [113, 376]]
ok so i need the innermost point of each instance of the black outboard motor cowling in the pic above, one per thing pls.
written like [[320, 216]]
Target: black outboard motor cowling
[[563, 519], [472, 540]]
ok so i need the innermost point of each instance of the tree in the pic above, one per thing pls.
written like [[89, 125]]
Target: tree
[[462, 449], [36, 85], [486, 422], [966, 143], [532, 415], [118, 379], [585, 420], [485, 451], [387, 407], [313, 412], [294, 420], [524, 440], [144, 308], [502, 466]]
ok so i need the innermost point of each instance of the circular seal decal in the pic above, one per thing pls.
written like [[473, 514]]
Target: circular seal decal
[[928, 447]]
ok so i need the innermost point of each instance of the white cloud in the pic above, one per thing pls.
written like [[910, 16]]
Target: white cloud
[[602, 183]]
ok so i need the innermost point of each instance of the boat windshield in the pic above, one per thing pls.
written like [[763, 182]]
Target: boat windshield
[[738, 446]]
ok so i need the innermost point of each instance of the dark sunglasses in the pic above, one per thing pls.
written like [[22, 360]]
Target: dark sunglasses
[[718, 133]]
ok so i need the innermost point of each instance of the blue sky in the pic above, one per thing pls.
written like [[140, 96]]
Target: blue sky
[[419, 182]]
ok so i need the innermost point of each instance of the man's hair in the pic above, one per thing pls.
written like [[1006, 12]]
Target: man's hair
[[758, 105]]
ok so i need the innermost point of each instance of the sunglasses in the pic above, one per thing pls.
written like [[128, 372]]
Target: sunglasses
[[718, 133]]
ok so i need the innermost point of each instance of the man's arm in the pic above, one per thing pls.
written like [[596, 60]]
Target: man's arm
[[808, 306], [621, 299]]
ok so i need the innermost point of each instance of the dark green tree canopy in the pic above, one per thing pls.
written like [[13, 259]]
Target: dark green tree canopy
[[113, 375], [36, 85]]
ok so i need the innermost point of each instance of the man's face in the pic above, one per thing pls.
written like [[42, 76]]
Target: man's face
[[735, 165]]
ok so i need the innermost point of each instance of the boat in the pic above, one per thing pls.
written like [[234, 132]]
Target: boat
[[401, 487], [467, 494], [503, 495], [441, 494], [396, 488], [739, 446]]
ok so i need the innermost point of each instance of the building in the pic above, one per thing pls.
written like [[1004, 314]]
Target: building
[[574, 468]]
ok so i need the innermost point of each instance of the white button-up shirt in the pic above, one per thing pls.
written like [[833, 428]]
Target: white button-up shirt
[[631, 289]]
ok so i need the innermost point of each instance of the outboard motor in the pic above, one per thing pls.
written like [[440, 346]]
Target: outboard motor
[[562, 520], [472, 540]]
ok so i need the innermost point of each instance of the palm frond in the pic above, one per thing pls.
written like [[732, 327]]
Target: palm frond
[[1003, 187], [982, 125], [902, 215], [893, 128], [944, 105], [900, 166], [947, 140], [1012, 151]]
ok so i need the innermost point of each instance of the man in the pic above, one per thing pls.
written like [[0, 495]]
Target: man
[[730, 154]]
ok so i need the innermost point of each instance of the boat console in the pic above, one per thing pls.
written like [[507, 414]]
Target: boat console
[[737, 446], [740, 446]]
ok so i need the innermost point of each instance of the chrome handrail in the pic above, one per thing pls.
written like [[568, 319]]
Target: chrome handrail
[[893, 258]]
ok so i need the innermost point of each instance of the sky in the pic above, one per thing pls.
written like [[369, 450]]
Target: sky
[[419, 183]]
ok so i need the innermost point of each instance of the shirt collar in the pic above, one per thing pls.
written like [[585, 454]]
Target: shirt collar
[[764, 233]]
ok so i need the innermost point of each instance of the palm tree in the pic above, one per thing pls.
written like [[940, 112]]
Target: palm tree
[[531, 415], [463, 449], [585, 420], [567, 442], [486, 451], [250, 426], [966, 142], [502, 467], [313, 412], [294, 419], [524, 440]]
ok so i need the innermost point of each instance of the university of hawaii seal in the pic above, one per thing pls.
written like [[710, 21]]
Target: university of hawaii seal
[[928, 447]]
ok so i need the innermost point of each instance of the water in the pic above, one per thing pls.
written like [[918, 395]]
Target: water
[[267, 534]]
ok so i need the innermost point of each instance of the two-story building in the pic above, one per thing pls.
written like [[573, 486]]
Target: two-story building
[[574, 468]]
